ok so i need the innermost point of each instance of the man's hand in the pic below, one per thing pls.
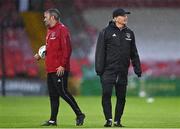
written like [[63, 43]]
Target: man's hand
[[60, 71], [37, 57]]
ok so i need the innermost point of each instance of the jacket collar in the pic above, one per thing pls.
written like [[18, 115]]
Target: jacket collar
[[57, 24]]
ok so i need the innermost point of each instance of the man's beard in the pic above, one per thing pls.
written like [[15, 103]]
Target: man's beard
[[46, 24]]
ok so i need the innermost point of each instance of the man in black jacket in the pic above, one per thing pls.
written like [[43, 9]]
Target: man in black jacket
[[115, 49]]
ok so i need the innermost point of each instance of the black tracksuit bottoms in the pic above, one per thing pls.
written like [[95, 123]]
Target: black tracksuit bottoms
[[57, 87], [120, 91]]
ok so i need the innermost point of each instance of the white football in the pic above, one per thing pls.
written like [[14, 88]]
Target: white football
[[42, 51], [150, 100]]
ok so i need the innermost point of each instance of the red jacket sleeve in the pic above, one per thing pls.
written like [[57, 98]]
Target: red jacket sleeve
[[66, 46]]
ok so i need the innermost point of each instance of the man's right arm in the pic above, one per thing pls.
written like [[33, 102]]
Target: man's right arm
[[100, 54]]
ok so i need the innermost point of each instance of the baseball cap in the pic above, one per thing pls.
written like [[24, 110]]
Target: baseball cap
[[119, 12]]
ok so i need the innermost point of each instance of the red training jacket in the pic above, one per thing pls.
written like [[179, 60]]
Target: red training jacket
[[58, 48]]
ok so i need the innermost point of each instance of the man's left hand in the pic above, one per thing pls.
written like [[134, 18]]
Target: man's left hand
[[60, 71]]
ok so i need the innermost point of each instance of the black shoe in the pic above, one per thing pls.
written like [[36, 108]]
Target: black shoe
[[108, 123], [49, 123], [80, 120], [118, 124]]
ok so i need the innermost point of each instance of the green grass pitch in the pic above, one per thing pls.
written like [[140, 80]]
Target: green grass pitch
[[30, 112]]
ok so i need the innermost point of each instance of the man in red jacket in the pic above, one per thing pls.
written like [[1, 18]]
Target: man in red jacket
[[57, 60]]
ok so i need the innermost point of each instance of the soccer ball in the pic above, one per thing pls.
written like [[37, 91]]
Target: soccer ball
[[42, 51], [150, 100]]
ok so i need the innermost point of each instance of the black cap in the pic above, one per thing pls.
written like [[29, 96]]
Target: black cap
[[119, 12]]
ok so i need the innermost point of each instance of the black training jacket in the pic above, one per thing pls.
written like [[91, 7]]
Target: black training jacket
[[115, 48]]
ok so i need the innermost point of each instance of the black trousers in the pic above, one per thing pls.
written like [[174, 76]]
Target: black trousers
[[120, 91], [57, 87]]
